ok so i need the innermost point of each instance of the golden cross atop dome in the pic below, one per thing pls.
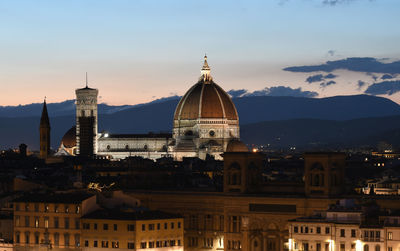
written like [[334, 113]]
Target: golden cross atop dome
[[205, 70]]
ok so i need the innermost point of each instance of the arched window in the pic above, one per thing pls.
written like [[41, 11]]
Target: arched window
[[366, 247], [377, 248]]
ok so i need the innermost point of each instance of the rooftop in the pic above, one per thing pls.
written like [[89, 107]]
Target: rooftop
[[139, 214], [66, 198]]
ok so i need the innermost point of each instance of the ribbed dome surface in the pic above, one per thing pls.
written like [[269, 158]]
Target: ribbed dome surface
[[69, 138], [206, 100]]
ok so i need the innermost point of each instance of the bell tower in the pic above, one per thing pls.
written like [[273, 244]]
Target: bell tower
[[86, 120], [44, 131]]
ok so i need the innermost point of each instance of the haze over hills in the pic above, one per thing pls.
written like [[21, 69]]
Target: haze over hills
[[295, 120]]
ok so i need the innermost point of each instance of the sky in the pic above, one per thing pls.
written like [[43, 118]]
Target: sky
[[137, 51]]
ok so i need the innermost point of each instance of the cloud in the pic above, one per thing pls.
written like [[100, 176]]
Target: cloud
[[335, 2], [320, 77], [315, 78], [360, 84], [236, 93], [385, 87], [273, 91], [387, 76], [331, 53], [323, 85], [365, 64]]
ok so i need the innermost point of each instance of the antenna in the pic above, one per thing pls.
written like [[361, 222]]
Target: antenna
[[86, 81]]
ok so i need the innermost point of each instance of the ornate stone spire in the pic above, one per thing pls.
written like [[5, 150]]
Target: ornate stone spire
[[205, 71]]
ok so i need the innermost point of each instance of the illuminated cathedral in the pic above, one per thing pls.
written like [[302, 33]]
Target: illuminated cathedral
[[204, 123]]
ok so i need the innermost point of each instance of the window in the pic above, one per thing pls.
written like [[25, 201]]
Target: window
[[86, 225], [208, 242], [165, 225], [77, 209], [36, 207], [131, 227], [56, 208], [158, 244], [143, 245], [77, 223], [318, 230], [366, 248], [17, 237], [95, 226], [67, 209], [172, 225], [56, 222], [378, 235], [36, 222], [56, 239], [17, 221], [36, 238], [46, 222], [115, 227], [158, 226], [95, 244], [104, 244], [151, 244], [318, 246], [27, 207], [66, 223], [77, 240], [193, 241], [353, 246], [179, 243], [143, 227], [342, 247], [327, 230], [377, 247], [105, 226], [27, 237], [131, 245], [326, 246], [172, 242], [306, 230], [353, 233], [66, 240], [342, 233], [390, 249], [86, 243], [26, 221], [115, 244], [179, 224], [46, 208], [151, 227], [390, 236]]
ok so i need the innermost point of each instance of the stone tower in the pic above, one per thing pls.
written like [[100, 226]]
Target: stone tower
[[86, 121], [324, 173], [44, 131]]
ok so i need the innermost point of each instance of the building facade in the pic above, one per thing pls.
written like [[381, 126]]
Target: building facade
[[205, 121]]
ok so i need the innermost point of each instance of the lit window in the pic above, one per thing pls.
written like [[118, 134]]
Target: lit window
[[390, 236]]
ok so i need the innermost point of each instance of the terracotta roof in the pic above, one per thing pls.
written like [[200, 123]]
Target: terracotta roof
[[206, 100], [69, 138]]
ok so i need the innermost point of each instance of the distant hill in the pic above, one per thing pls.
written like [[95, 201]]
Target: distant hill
[[157, 115], [327, 134]]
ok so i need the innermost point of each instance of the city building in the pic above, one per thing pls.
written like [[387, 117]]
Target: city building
[[205, 121], [50, 221], [132, 229], [44, 132], [345, 227]]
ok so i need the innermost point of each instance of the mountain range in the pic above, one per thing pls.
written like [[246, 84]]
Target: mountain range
[[279, 121]]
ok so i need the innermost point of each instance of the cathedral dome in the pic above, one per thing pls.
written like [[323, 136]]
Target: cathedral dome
[[236, 146], [205, 100], [69, 138]]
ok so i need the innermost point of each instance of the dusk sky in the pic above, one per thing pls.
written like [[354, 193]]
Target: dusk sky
[[136, 51]]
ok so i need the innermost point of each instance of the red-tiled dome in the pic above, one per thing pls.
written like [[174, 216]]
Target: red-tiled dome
[[69, 138], [206, 100]]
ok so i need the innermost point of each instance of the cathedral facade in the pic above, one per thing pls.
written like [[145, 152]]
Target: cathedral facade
[[205, 121]]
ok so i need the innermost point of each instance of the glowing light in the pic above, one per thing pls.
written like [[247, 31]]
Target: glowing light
[[290, 244], [255, 150], [106, 134], [359, 245]]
